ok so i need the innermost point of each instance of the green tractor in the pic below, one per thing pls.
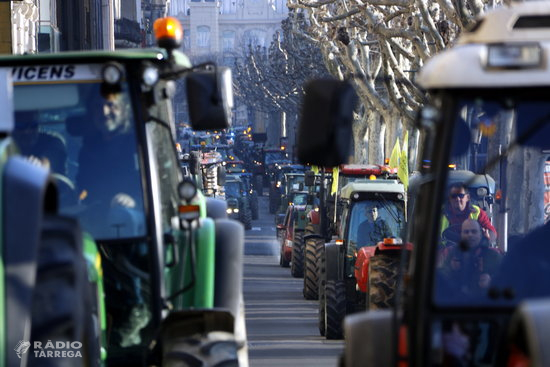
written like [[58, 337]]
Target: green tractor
[[51, 271], [102, 122]]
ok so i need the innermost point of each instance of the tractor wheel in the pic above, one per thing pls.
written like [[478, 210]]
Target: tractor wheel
[[284, 263], [245, 215], [383, 273], [311, 276], [273, 205], [322, 299], [62, 298], [254, 206], [216, 348], [297, 260], [247, 221], [335, 294], [259, 186]]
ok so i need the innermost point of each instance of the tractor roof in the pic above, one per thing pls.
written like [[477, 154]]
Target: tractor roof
[[372, 186], [505, 48], [232, 178], [362, 169], [98, 56]]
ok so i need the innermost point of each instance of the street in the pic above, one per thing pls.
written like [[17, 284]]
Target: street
[[281, 324]]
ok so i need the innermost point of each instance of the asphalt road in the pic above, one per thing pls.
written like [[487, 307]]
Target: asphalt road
[[281, 324]]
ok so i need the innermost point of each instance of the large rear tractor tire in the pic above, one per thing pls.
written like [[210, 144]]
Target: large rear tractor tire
[[322, 298], [62, 300], [335, 294], [382, 283], [213, 349], [311, 273], [297, 260]]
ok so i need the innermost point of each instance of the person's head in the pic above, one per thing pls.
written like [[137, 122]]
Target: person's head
[[371, 212], [459, 197], [471, 233], [112, 114]]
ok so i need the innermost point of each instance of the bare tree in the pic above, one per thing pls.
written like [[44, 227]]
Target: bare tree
[[272, 79], [380, 45]]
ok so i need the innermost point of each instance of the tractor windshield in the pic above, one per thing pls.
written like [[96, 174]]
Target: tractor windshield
[[373, 220], [494, 243], [86, 135], [232, 189]]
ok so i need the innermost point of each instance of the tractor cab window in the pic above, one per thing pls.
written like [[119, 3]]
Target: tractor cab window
[[371, 221], [232, 189], [86, 135], [493, 237]]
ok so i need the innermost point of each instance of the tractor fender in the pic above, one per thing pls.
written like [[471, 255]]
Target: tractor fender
[[529, 326], [229, 265], [27, 192], [361, 269], [334, 261], [374, 326], [216, 208]]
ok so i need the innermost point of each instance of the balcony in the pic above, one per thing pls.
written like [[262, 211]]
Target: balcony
[[127, 33]]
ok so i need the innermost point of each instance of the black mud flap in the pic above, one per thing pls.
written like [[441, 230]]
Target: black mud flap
[[374, 326]]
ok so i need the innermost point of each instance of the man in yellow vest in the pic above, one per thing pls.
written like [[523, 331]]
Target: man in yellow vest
[[458, 209]]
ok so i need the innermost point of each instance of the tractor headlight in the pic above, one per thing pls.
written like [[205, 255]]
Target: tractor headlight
[[481, 191], [150, 76], [112, 73], [187, 189], [514, 56]]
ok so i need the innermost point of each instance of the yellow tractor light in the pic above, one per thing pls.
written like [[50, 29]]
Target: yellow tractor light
[[168, 32]]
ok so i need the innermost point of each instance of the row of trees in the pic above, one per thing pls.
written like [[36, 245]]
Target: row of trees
[[271, 79], [380, 45]]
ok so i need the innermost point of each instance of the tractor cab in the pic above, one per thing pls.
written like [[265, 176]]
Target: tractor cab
[[102, 123], [488, 115]]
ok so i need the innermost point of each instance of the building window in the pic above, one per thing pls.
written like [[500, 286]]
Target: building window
[[179, 7], [279, 6], [228, 7], [228, 41], [256, 37], [186, 39], [203, 36]]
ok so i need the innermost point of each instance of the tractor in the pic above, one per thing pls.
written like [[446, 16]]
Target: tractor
[[171, 261], [487, 112], [373, 212]]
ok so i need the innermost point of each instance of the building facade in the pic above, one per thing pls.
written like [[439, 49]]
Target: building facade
[[31, 26], [222, 30]]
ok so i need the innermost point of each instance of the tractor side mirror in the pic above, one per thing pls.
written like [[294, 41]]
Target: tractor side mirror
[[325, 130], [309, 178], [210, 99], [221, 175]]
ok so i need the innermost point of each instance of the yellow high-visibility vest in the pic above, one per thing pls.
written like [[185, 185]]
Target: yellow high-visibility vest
[[445, 221]]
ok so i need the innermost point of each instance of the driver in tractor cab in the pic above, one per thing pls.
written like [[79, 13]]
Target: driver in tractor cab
[[373, 229], [109, 136], [458, 209]]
